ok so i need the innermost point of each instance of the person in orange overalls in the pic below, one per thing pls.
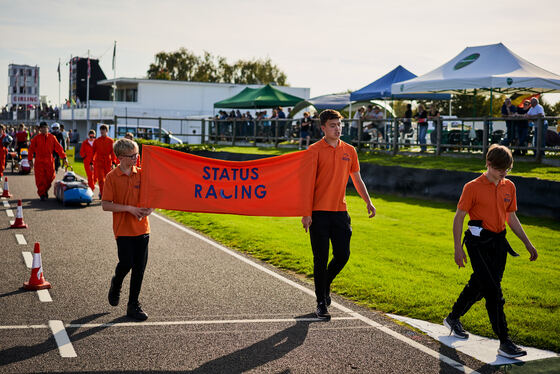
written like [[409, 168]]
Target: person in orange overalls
[[103, 157], [86, 151], [3, 151], [42, 147]]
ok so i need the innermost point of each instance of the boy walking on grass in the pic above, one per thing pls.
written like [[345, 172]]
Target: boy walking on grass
[[330, 222], [131, 227], [490, 201]]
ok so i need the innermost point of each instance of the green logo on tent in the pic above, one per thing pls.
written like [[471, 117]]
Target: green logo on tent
[[402, 87], [466, 61], [509, 81]]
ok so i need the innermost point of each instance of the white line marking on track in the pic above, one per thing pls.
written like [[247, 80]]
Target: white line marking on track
[[62, 340], [6, 204], [17, 327], [9, 213], [177, 323], [396, 335], [21, 239], [44, 296], [210, 322], [28, 258]]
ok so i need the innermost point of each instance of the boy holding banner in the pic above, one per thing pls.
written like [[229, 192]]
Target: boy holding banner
[[330, 222], [131, 227]]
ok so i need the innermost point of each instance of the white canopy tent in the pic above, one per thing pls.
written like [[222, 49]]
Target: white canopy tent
[[493, 67]]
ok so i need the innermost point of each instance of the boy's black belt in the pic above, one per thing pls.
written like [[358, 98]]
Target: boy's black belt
[[487, 237]]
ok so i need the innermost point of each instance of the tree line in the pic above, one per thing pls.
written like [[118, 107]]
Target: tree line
[[184, 65]]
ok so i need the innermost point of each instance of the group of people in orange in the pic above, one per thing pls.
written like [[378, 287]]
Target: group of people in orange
[[98, 156]]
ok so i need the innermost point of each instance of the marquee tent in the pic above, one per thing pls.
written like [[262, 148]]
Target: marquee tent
[[381, 88], [258, 98], [333, 101], [340, 102], [491, 67]]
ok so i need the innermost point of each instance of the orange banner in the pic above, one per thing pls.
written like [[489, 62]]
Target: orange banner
[[279, 186]]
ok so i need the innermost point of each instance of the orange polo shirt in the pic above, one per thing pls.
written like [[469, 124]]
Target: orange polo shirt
[[125, 189], [488, 202], [334, 165]]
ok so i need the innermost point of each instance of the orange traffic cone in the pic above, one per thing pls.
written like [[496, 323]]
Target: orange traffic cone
[[37, 280], [18, 223], [6, 192]]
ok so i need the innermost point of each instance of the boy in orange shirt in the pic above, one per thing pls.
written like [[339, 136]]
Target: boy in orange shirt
[[336, 161], [490, 201], [130, 225]]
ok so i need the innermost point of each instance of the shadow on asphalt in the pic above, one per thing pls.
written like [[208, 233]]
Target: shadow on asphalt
[[246, 359], [52, 204], [260, 353], [452, 354], [22, 353], [11, 293]]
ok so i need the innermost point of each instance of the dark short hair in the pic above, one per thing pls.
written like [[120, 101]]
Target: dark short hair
[[103, 127], [329, 114], [43, 124], [92, 131], [499, 157]]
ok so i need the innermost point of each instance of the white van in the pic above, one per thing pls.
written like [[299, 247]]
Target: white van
[[143, 132]]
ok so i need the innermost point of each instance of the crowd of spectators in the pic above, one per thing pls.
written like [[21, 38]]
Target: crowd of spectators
[[23, 112]]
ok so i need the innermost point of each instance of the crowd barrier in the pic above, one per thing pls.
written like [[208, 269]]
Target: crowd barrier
[[533, 137]]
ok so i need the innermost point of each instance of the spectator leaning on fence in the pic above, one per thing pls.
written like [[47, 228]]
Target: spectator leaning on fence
[[536, 112], [422, 118], [522, 127], [508, 111], [356, 122], [305, 130]]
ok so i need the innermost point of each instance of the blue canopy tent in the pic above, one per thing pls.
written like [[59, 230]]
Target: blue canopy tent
[[381, 88]]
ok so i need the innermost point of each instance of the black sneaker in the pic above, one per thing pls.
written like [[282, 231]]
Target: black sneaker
[[322, 311], [136, 312], [43, 197], [510, 350], [455, 327], [114, 293]]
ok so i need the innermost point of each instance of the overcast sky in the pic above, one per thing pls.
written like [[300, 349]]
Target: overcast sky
[[329, 46]]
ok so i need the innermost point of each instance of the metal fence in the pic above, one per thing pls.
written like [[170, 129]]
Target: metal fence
[[464, 135]]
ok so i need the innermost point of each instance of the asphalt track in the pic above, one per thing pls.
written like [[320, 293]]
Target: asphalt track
[[212, 310]]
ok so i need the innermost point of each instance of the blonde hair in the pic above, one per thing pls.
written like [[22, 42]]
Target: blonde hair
[[124, 145]]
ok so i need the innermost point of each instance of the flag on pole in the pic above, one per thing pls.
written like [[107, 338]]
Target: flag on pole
[[88, 68], [36, 74], [114, 54], [58, 70]]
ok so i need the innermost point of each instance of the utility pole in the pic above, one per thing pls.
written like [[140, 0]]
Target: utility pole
[[87, 90]]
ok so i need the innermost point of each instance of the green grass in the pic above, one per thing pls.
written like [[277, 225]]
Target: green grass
[[474, 164], [402, 262]]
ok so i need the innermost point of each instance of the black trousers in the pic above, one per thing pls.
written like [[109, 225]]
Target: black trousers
[[328, 227], [133, 254], [488, 260]]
